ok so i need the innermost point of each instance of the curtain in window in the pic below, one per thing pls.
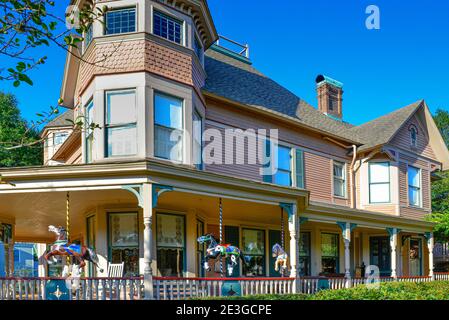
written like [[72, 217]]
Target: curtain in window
[[379, 178], [170, 239], [168, 129]]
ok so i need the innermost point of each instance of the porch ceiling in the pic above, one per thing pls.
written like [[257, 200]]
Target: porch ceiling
[[33, 212], [233, 210]]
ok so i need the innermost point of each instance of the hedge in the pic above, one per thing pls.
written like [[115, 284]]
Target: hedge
[[436, 290]]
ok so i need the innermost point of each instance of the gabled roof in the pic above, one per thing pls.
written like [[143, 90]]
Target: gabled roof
[[381, 130], [238, 81], [61, 120]]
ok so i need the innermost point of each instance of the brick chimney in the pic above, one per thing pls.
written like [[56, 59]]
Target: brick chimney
[[329, 92]]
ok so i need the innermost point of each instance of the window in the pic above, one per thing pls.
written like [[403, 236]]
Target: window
[[413, 137], [88, 36], [120, 21], [254, 252], [167, 27], [170, 241], [198, 48], [121, 120], [339, 179], [286, 157], [200, 248], [304, 253], [124, 241], [59, 138], [89, 131], [197, 140], [414, 186], [168, 127], [329, 253], [283, 175], [379, 182]]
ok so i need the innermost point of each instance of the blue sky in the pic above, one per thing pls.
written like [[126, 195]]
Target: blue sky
[[293, 41]]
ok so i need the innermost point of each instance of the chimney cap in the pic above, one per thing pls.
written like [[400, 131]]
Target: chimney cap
[[321, 79]]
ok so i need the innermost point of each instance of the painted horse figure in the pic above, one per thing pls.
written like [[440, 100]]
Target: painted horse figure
[[281, 258], [216, 250], [60, 247]]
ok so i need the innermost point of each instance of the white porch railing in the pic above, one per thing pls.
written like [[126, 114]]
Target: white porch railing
[[82, 289], [167, 288]]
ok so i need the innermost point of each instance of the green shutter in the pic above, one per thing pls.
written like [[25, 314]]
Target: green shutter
[[267, 177], [299, 168]]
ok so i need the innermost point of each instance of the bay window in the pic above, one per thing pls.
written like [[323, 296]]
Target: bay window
[[379, 182], [254, 252], [121, 121], [168, 127], [124, 241], [339, 179], [170, 242], [197, 140], [414, 186]]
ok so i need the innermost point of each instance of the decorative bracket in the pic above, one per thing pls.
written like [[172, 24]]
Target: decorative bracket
[[288, 207], [405, 238], [159, 189], [137, 191], [303, 220], [342, 226], [390, 231]]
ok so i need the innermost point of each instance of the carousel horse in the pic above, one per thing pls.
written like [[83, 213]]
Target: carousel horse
[[281, 258], [216, 250], [60, 247]]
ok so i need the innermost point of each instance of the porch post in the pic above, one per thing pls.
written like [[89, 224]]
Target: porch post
[[393, 244], [430, 245], [347, 240], [147, 197], [293, 227]]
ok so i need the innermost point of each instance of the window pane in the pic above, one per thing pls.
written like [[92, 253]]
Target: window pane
[[122, 141], [121, 107], [339, 187], [414, 196], [380, 192], [253, 242], [167, 27], [282, 178], [167, 143], [329, 245], [413, 177], [254, 266], [168, 111], [379, 172], [284, 158], [197, 141], [338, 170], [170, 231], [121, 21], [304, 244], [170, 262]]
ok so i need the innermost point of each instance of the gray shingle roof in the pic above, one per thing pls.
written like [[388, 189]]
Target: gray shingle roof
[[61, 120], [240, 82], [381, 130]]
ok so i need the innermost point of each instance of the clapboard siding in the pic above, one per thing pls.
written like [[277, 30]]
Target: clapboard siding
[[383, 208], [318, 177], [402, 139]]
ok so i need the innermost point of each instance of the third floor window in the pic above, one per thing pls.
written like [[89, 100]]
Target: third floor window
[[120, 21], [167, 27]]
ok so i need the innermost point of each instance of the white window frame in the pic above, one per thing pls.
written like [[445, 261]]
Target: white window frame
[[373, 183], [118, 125], [419, 188], [343, 179], [89, 133]]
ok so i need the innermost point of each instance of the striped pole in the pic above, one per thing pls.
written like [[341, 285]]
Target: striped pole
[[68, 222], [282, 229], [221, 233]]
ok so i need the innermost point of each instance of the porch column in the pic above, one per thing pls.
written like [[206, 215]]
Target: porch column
[[346, 229], [293, 228], [147, 206], [430, 245], [393, 244]]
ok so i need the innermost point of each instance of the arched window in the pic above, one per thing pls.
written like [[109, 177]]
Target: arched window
[[413, 136]]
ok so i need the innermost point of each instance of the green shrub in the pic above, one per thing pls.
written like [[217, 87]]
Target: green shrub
[[437, 290]]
